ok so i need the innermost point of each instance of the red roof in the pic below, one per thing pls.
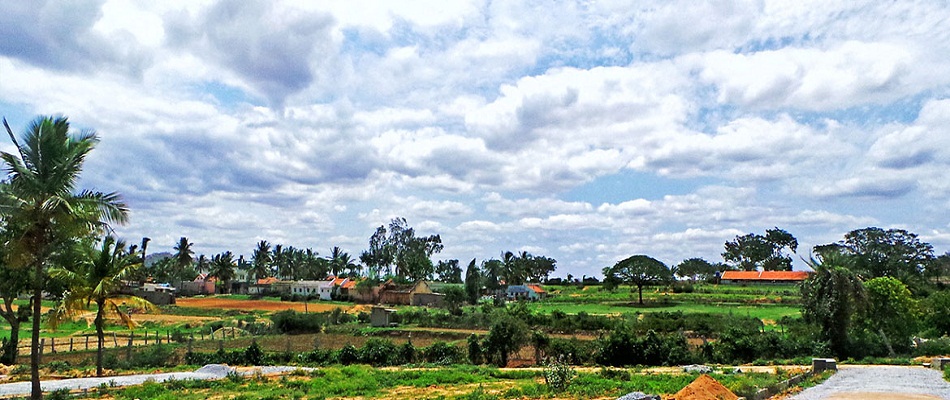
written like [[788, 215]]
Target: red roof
[[537, 289], [267, 281], [349, 284], [764, 275], [338, 281]]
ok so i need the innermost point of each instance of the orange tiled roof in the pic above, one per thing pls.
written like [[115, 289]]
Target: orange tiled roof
[[765, 275], [338, 281], [267, 281], [537, 289], [349, 284]]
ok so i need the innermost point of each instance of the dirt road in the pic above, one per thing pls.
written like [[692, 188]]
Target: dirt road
[[880, 382]]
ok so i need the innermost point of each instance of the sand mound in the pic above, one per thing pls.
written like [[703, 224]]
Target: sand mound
[[705, 388]]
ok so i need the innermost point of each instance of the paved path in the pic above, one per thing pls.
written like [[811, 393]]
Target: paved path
[[211, 371], [880, 382]]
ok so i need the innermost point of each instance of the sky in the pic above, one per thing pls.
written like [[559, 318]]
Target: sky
[[584, 131]]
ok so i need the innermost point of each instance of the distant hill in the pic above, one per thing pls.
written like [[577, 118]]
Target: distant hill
[[156, 257]]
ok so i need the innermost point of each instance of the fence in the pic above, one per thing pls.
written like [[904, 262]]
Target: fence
[[113, 340]]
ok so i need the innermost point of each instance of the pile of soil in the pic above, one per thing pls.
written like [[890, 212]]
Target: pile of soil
[[705, 388]]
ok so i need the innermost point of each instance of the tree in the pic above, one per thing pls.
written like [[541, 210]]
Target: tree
[[222, 267], [696, 269], [449, 271], [640, 271], [473, 283], [40, 205], [936, 311], [752, 251], [97, 278], [184, 256], [399, 247], [892, 312], [261, 257], [12, 282], [895, 253], [505, 336], [279, 261], [340, 261], [379, 254], [453, 299], [492, 271], [831, 298]]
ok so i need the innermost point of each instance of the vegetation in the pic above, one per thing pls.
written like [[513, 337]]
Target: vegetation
[[871, 295]]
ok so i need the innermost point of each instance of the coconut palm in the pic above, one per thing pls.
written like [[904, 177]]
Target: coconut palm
[[97, 277], [40, 203], [184, 256], [222, 267], [262, 259]]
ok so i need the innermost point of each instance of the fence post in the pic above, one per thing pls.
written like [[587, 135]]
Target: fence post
[[52, 345], [128, 351], [190, 341], [169, 336], [146, 336], [87, 342], [115, 340], [70, 344]]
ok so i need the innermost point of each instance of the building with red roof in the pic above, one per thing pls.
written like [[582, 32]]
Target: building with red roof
[[763, 276]]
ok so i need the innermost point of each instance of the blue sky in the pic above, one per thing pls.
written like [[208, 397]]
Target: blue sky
[[583, 131]]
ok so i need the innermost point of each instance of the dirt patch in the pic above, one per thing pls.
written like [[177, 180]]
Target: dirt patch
[[259, 305], [705, 388], [439, 391]]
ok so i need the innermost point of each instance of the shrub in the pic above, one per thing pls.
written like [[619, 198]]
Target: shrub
[[558, 375], [378, 352], [443, 353], [348, 355]]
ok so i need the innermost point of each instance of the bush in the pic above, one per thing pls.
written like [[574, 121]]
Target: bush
[[378, 352], [292, 322], [443, 354], [348, 355], [558, 375]]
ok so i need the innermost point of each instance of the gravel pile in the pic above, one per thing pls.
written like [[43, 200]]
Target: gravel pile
[[210, 371], [880, 379]]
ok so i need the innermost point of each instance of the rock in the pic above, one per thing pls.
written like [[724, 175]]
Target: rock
[[638, 396], [702, 369]]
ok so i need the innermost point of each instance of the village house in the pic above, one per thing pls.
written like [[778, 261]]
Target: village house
[[417, 294], [202, 284], [525, 292]]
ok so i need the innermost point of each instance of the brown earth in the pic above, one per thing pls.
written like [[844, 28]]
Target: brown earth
[[705, 388], [260, 305]]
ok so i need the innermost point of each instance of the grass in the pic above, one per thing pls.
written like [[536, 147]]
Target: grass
[[458, 382]]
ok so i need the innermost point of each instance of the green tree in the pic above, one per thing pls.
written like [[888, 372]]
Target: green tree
[[751, 252], [892, 312], [492, 273], [896, 253], [379, 254], [831, 298], [640, 271], [449, 271], [96, 278], [12, 282], [505, 336], [936, 311], [696, 269], [261, 258], [184, 257], [454, 299], [473, 283], [39, 203], [222, 268], [340, 261]]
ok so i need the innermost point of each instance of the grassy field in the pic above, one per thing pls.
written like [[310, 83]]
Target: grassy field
[[461, 382]]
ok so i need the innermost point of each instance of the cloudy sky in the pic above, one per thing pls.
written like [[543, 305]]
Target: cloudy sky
[[585, 131]]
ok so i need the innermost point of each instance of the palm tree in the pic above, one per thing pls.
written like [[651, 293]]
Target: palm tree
[[278, 259], [337, 262], [262, 259], [184, 256], [831, 297], [201, 264], [39, 201], [97, 278], [222, 267]]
